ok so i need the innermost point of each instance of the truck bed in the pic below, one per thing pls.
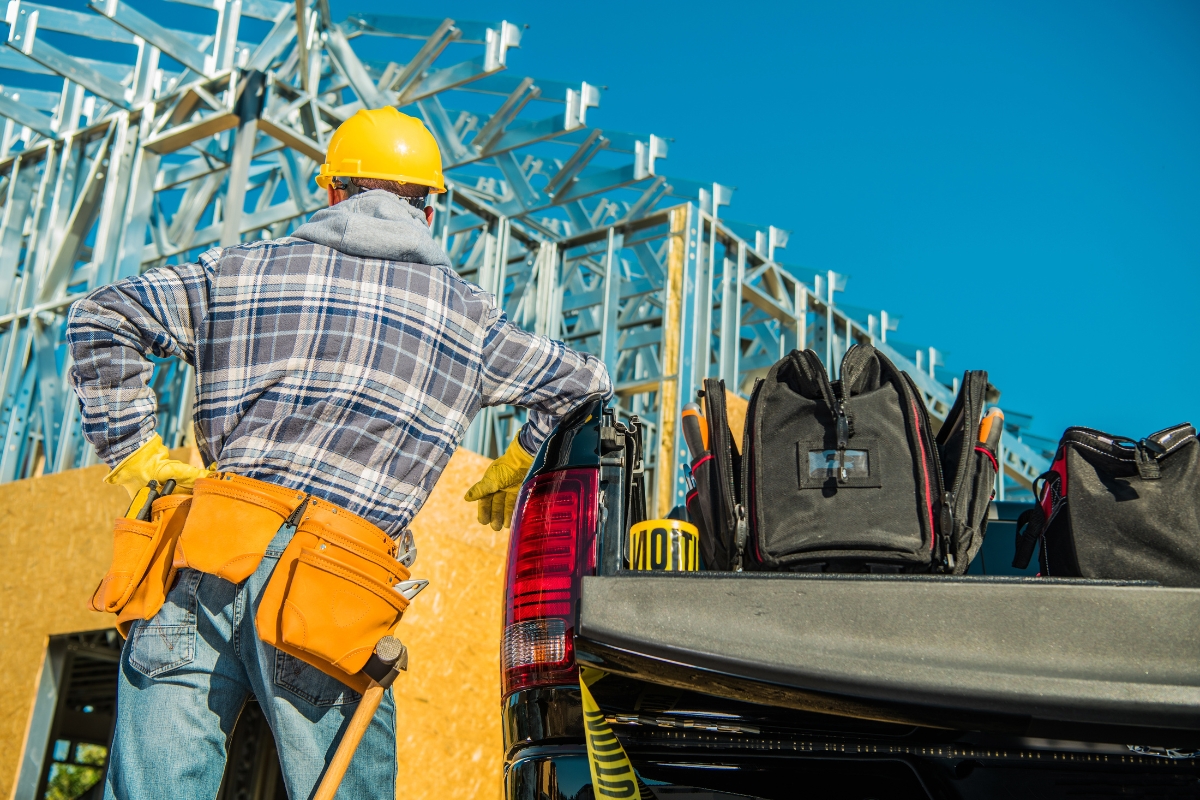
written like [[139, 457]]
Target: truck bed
[[988, 686], [1098, 661]]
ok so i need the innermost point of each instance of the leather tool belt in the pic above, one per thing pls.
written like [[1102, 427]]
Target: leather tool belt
[[142, 569], [331, 596]]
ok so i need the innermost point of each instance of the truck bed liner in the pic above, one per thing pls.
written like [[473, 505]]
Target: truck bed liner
[[1097, 660]]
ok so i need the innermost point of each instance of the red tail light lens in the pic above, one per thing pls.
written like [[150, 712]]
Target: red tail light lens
[[551, 547]]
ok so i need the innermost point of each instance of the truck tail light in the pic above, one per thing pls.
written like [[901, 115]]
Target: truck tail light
[[550, 549]]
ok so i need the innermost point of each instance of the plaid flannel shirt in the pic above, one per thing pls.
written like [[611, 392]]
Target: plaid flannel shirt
[[350, 378]]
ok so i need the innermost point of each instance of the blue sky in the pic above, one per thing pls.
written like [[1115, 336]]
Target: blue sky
[[1020, 181]]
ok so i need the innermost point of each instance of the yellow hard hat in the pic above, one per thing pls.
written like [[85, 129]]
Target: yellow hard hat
[[383, 143]]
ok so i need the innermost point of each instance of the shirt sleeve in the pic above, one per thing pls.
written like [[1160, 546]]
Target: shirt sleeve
[[112, 333], [537, 373]]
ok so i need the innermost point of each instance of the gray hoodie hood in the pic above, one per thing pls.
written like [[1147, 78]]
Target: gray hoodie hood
[[375, 224]]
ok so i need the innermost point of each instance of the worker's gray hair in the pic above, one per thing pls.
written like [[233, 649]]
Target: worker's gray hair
[[411, 193]]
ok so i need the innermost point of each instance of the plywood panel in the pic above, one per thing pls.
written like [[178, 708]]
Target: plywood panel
[[448, 706], [735, 410], [735, 413], [56, 532]]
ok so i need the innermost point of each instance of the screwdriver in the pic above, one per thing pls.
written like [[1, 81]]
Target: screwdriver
[[142, 500], [695, 430], [152, 495], [991, 428]]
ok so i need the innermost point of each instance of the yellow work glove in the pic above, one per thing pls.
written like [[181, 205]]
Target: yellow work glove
[[152, 462], [497, 492]]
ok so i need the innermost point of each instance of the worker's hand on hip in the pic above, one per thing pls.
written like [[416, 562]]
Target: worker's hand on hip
[[152, 462], [497, 492]]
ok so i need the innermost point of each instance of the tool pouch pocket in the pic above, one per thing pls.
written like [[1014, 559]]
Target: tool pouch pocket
[[336, 612], [231, 522], [141, 572], [982, 493], [331, 597]]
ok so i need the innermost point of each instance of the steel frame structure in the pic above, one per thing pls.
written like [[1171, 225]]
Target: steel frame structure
[[176, 141]]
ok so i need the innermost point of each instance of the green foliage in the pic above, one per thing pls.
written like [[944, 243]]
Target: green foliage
[[93, 754], [71, 781], [68, 781]]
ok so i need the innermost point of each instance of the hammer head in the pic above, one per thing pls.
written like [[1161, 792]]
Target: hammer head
[[390, 650], [389, 660]]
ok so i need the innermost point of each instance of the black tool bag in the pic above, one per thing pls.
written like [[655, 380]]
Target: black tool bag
[[846, 476], [1112, 507], [718, 476]]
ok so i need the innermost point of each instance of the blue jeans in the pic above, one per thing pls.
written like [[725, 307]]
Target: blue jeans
[[187, 673]]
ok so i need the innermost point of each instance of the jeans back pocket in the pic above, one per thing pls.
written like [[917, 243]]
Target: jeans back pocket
[[310, 684], [168, 640]]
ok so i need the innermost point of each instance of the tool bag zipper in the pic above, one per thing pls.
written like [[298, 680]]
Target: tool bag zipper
[[742, 528], [844, 429]]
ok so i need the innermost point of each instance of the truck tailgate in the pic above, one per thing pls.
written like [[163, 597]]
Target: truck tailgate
[[1094, 661]]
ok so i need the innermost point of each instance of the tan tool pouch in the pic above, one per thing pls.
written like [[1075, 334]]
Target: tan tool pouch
[[137, 582], [232, 521], [331, 597]]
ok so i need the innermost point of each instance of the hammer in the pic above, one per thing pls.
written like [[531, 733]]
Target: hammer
[[384, 665]]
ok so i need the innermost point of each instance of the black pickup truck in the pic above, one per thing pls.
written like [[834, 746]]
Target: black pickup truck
[[781, 685]]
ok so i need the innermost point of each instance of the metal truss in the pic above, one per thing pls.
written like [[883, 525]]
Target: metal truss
[[171, 141]]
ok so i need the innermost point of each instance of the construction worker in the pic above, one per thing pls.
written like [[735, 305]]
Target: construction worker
[[344, 361]]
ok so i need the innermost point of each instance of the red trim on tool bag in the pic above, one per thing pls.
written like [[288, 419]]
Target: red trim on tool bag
[[925, 473], [1047, 499], [700, 463], [1060, 466], [988, 453]]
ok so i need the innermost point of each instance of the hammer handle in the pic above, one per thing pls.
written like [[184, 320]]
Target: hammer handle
[[359, 723]]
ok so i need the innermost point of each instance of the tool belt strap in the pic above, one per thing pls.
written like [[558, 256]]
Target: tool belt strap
[[234, 518]]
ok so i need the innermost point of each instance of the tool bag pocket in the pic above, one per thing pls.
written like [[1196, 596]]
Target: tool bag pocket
[[971, 528], [969, 475], [142, 558], [718, 479], [336, 612], [331, 597], [231, 522]]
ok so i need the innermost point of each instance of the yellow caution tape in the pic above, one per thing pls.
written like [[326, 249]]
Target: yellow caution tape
[[612, 774]]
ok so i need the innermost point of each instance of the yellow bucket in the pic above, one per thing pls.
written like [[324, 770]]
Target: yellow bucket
[[664, 544]]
